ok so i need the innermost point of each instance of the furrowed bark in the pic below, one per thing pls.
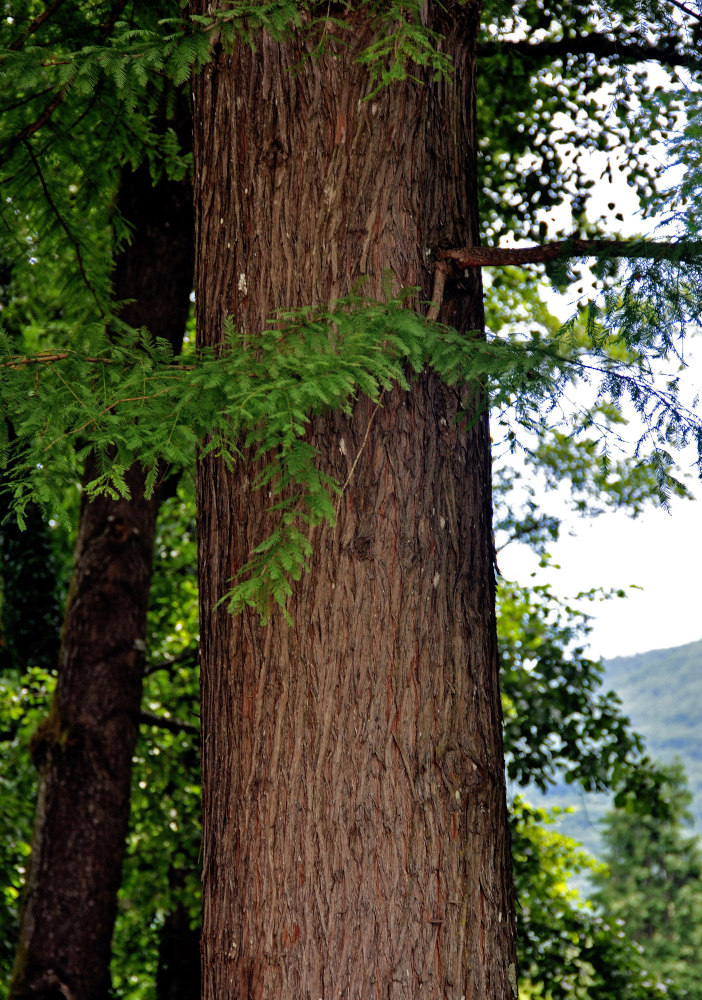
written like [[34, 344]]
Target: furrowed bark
[[355, 833], [84, 749]]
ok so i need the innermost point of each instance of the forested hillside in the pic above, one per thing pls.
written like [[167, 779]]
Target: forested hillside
[[662, 694], [661, 691]]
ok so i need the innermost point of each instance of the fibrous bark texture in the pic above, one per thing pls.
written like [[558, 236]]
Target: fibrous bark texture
[[84, 749], [355, 834]]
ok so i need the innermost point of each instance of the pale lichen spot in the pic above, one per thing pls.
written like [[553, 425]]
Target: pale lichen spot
[[242, 286], [442, 522], [436, 579], [512, 975], [342, 446]]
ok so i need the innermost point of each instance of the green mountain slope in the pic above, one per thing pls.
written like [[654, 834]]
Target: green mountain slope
[[661, 692]]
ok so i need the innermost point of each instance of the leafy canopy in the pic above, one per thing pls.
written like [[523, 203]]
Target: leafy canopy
[[104, 82]]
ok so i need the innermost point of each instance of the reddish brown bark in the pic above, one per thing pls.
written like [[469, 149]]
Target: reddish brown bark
[[355, 834], [84, 749]]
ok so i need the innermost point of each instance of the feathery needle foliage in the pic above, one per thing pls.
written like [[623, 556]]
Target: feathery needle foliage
[[131, 400]]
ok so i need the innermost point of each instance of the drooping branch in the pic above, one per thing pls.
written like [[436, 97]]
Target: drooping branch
[[594, 44], [463, 257], [35, 25], [63, 224], [42, 118]]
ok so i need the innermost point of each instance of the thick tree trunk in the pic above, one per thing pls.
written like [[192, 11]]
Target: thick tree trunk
[[84, 749], [355, 832]]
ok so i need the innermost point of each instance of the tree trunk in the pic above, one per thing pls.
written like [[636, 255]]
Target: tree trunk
[[355, 832], [178, 975], [30, 615], [84, 748]]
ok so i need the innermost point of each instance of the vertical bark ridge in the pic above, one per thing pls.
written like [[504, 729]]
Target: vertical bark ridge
[[355, 838]]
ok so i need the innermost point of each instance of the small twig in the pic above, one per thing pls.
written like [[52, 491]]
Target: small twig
[[111, 406], [173, 725], [61, 221], [184, 657], [70, 389], [35, 25], [437, 293], [360, 450]]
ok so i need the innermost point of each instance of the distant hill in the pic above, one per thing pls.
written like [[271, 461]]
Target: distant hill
[[661, 693]]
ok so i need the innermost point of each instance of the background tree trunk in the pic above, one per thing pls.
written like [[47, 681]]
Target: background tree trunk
[[84, 748], [178, 976], [355, 832]]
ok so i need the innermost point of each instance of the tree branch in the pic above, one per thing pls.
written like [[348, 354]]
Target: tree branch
[[560, 249], [28, 131], [62, 222], [686, 10], [184, 657], [594, 44], [173, 725], [35, 25]]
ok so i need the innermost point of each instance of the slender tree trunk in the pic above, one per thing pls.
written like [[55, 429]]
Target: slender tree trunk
[[355, 832], [30, 617], [84, 749], [178, 976]]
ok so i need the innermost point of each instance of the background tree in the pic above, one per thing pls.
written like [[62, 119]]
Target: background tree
[[567, 948], [650, 888], [84, 747]]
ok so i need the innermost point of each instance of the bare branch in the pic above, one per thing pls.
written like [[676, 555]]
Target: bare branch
[[62, 222], [173, 725], [35, 25], [686, 10], [594, 44], [186, 656], [561, 249], [42, 119], [437, 295]]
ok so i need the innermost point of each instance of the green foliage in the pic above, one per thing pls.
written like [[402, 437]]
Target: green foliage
[[110, 86], [24, 703], [570, 87], [651, 889], [129, 400], [557, 719], [567, 951]]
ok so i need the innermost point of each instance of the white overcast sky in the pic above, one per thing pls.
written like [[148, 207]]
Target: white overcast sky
[[659, 552]]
